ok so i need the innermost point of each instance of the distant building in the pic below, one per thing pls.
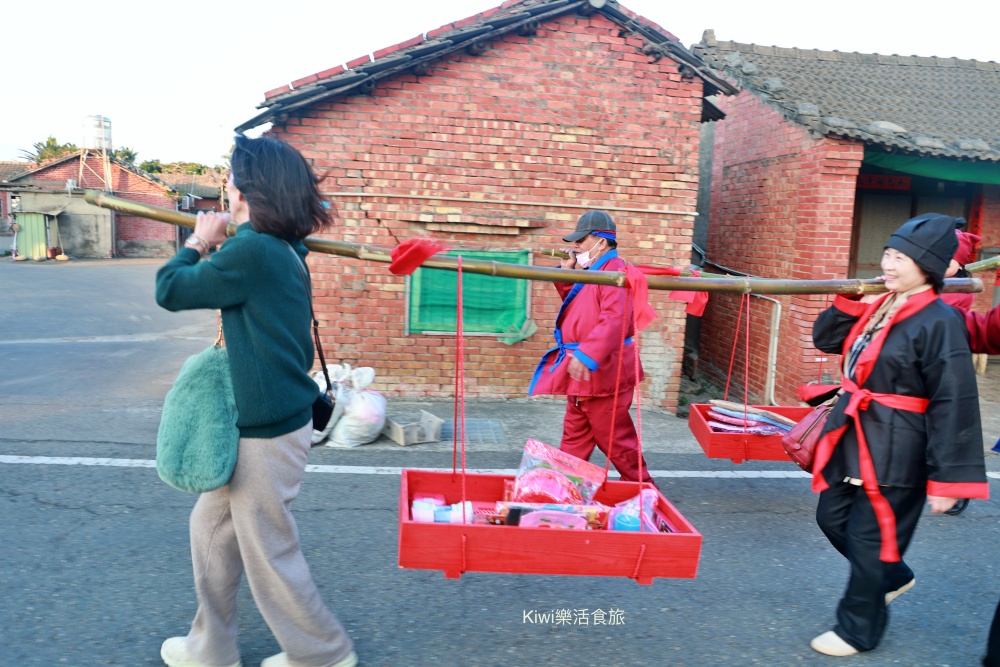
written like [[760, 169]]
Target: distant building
[[7, 171], [54, 190], [197, 192]]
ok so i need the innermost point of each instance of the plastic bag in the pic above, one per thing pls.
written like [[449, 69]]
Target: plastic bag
[[627, 514], [339, 376], [549, 475], [364, 413]]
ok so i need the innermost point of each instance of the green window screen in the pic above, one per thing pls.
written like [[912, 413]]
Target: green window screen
[[491, 304]]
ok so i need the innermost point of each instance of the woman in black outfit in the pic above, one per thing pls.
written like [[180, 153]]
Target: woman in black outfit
[[895, 437]]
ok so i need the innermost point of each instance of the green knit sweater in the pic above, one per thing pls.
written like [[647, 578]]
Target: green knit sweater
[[253, 279]]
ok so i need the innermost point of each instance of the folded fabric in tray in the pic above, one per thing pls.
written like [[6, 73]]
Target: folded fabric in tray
[[758, 413], [756, 417], [767, 429], [738, 421]]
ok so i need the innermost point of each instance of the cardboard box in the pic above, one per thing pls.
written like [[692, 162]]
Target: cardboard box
[[428, 429]]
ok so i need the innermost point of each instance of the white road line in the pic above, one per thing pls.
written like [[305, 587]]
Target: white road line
[[392, 470]]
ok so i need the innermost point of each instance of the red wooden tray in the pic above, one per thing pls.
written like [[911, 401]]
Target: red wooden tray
[[740, 447], [458, 548]]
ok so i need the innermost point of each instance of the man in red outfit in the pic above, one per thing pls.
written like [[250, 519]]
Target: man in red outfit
[[590, 357]]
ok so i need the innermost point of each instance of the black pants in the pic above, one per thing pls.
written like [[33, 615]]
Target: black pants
[[992, 658], [846, 517]]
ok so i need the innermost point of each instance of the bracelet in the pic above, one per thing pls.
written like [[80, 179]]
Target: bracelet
[[195, 239]]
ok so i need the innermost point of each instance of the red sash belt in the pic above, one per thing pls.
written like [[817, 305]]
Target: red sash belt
[[860, 400]]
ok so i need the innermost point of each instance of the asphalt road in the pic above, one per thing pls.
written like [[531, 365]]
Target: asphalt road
[[95, 567]]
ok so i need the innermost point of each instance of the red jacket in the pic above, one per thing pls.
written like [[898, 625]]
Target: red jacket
[[959, 300], [593, 320], [984, 331]]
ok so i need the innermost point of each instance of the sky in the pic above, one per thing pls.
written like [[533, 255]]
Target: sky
[[174, 80]]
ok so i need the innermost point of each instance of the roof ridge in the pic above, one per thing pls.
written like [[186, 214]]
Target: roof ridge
[[470, 34], [849, 56]]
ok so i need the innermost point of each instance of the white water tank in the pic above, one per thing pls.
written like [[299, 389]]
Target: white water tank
[[97, 133]]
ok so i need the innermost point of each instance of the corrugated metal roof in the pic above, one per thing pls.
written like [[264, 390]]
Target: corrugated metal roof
[[930, 106]]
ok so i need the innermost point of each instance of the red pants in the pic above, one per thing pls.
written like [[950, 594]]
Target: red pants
[[588, 424]]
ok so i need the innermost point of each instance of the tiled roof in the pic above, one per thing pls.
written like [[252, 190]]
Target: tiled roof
[[362, 74], [200, 185], [928, 106], [76, 155], [9, 169]]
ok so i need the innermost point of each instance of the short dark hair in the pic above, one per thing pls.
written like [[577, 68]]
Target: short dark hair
[[279, 186], [935, 280]]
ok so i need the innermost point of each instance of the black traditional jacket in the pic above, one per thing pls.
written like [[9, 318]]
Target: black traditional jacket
[[923, 353]]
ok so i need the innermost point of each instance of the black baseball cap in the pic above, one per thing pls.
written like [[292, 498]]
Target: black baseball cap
[[591, 221]]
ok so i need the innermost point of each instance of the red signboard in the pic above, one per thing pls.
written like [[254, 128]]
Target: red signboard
[[883, 182]]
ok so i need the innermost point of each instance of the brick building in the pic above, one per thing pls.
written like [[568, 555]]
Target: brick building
[[197, 192], [56, 188], [497, 132], [818, 160]]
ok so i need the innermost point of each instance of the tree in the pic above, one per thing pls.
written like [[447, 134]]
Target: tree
[[227, 160], [47, 150], [151, 166], [126, 155]]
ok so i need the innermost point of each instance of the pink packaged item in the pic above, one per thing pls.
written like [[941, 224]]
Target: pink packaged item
[[549, 519], [547, 474], [738, 421], [765, 429], [542, 485], [594, 516]]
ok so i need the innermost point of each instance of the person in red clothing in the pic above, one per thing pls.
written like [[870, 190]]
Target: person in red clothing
[[956, 268], [590, 364], [984, 338], [962, 301], [984, 331]]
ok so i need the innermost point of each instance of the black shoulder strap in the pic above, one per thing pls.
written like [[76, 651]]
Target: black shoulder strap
[[315, 323]]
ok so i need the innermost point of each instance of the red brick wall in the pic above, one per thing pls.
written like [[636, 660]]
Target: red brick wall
[[126, 185], [574, 115], [782, 207]]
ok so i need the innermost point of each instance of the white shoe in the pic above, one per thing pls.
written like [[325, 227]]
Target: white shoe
[[281, 660], [174, 652], [892, 595], [830, 643]]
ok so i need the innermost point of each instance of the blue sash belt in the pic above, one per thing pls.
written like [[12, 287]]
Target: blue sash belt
[[561, 347]]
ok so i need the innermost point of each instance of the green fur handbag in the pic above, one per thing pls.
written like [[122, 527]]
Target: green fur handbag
[[197, 442]]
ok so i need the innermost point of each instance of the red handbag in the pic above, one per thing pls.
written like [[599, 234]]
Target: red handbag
[[800, 442]]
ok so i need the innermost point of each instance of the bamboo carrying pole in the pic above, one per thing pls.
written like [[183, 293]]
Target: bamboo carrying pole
[[491, 268]]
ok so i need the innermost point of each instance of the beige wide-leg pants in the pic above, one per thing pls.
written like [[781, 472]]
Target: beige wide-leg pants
[[247, 525]]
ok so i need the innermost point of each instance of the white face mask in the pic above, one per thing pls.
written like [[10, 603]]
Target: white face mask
[[585, 260]]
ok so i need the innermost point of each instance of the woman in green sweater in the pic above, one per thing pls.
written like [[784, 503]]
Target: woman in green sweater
[[247, 526]]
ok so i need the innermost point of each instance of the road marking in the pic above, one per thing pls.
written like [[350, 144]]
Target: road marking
[[393, 470], [189, 332]]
